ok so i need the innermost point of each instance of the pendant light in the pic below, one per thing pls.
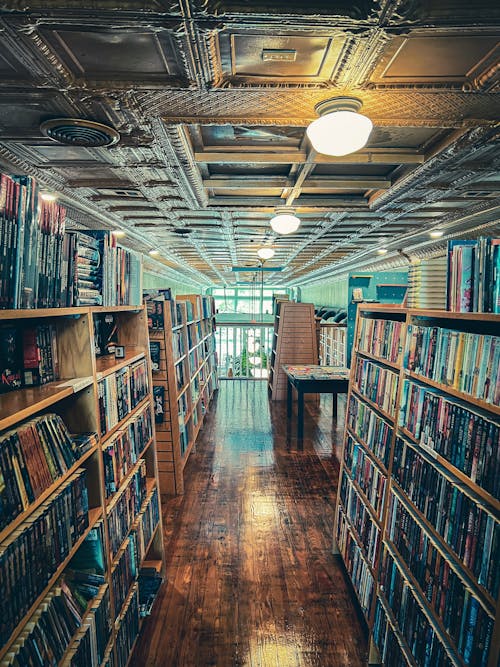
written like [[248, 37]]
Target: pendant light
[[265, 253], [340, 129], [285, 221]]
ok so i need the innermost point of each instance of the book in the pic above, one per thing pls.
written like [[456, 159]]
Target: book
[[155, 353], [10, 359]]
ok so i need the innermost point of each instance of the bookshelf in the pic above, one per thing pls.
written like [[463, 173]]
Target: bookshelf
[[332, 344], [78, 458], [295, 341], [417, 520], [183, 332]]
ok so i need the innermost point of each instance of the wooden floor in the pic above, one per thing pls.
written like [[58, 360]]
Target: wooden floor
[[251, 579]]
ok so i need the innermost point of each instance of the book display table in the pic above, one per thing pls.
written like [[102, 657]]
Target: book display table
[[313, 379]]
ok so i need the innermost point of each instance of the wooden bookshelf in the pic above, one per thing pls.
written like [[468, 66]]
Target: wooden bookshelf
[[75, 399], [332, 344], [483, 505], [176, 433], [295, 342]]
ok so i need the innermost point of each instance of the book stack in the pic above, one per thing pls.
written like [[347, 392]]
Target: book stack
[[380, 338], [465, 438], [426, 645], [31, 240], [149, 584], [473, 284], [427, 279], [32, 457], [378, 384], [83, 270], [125, 507], [122, 451], [465, 523], [124, 571], [468, 362], [370, 428], [38, 548], [467, 623]]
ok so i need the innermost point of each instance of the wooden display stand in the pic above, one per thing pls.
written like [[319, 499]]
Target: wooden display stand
[[363, 460], [75, 399], [294, 342], [184, 406]]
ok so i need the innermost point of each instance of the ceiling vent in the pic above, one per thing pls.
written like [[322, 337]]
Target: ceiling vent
[[79, 132], [182, 231]]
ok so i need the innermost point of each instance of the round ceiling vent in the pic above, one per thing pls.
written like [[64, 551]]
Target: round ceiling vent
[[79, 132]]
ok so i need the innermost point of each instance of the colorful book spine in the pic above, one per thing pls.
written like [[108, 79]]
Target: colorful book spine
[[380, 338], [378, 384]]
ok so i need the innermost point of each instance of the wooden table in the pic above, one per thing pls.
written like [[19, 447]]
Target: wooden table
[[311, 379]]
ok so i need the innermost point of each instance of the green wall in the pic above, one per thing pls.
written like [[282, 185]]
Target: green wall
[[329, 294], [153, 281]]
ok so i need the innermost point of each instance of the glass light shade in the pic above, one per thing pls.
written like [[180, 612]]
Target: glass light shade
[[48, 196], [339, 133], [382, 251], [265, 253], [436, 234], [285, 223], [154, 252]]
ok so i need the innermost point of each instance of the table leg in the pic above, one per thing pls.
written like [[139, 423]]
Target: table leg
[[288, 400], [300, 415], [335, 405]]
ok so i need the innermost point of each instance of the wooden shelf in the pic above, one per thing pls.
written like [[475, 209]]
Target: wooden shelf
[[367, 355], [94, 516], [364, 497], [461, 476], [117, 427], [108, 364], [358, 541], [488, 407], [368, 451], [449, 315], [374, 406]]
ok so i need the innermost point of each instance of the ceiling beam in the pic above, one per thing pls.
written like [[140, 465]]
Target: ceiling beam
[[322, 184], [387, 156]]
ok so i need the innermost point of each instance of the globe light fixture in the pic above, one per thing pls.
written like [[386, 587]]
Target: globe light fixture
[[436, 233], [265, 253], [340, 129], [382, 251], [154, 253], [285, 221]]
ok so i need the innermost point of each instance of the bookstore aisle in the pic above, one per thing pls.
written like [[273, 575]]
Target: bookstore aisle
[[250, 576]]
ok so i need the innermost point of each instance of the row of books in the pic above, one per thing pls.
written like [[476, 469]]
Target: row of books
[[356, 565], [448, 596], [180, 379], [194, 333], [82, 270], [28, 356], [468, 362], [373, 431], [149, 581], [195, 360], [121, 392], [148, 520], [361, 468], [368, 533], [32, 553], [32, 457], [127, 630], [207, 307], [425, 645], [31, 244], [382, 338], [124, 448], [126, 508], [386, 639], [473, 284], [463, 437], [121, 275], [466, 526], [178, 347], [124, 571], [91, 643], [378, 384]]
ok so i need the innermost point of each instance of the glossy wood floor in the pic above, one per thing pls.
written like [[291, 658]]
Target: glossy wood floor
[[251, 579]]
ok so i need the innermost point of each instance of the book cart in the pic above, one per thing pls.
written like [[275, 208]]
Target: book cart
[[185, 379], [295, 341], [418, 510], [103, 497]]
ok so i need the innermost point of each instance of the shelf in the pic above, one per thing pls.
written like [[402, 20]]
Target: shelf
[[46, 494], [368, 451], [17, 405], [117, 427], [449, 315], [461, 476], [462, 570], [358, 541], [94, 516], [367, 355], [381, 308], [363, 496], [488, 407], [371, 404], [395, 627], [108, 364], [111, 501], [434, 621]]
